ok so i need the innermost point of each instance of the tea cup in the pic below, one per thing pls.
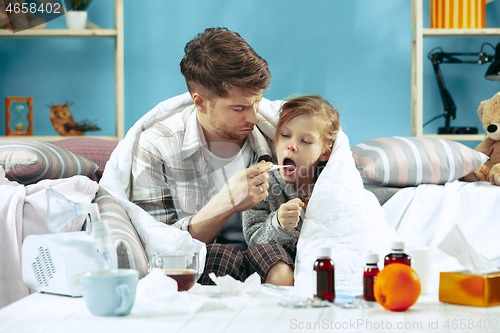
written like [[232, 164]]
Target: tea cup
[[180, 266], [110, 292]]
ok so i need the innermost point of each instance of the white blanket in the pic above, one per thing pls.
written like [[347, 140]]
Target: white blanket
[[340, 214], [345, 217], [424, 215], [22, 212]]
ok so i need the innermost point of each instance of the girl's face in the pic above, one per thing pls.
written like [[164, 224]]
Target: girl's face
[[300, 145]]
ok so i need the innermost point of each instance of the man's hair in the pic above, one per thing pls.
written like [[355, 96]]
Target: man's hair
[[218, 60], [314, 106]]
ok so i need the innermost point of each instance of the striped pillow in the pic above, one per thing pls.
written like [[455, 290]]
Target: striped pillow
[[411, 161], [124, 237], [28, 162]]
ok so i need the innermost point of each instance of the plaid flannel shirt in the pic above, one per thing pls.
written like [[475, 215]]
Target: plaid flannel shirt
[[171, 177]]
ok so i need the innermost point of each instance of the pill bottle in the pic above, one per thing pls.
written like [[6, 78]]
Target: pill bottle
[[369, 276], [397, 254], [325, 275]]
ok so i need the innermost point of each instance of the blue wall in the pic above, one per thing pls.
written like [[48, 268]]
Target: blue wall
[[354, 53]]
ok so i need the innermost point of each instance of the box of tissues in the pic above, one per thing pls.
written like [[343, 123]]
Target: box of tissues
[[466, 288], [478, 284]]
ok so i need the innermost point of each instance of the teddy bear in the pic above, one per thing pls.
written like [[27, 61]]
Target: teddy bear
[[489, 113]]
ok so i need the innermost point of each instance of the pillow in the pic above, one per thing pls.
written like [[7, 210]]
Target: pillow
[[28, 162], [93, 149], [129, 248], [411, 161]]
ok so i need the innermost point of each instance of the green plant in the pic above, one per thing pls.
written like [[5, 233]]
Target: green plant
[[80, 4]]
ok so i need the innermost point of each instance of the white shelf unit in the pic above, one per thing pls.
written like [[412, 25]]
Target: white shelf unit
[[116, 34], [418, 34]]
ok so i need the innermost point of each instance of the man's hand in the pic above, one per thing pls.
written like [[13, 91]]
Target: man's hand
[[289, 214], [247, 187], [242, 191]]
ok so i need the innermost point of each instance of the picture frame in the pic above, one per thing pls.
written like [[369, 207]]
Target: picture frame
[[19, 116]]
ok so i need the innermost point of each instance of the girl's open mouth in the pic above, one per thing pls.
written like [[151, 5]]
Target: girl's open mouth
[[291, 166]]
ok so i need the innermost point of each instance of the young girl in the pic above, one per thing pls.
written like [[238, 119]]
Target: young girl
[[307, 128]]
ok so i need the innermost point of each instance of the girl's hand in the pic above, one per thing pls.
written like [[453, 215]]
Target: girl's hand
[[289, 214]]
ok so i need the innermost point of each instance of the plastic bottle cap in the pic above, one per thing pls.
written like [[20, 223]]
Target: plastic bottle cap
[[397, 245], [325, 252], [371, 258]]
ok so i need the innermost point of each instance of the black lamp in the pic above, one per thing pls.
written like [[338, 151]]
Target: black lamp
[[493, 73]]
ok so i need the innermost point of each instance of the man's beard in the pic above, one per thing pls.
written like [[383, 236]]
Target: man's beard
[[224, 132]]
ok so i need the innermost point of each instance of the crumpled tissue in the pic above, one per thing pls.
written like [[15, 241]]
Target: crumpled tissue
[[157, 295], [456, 245], [230, 286]]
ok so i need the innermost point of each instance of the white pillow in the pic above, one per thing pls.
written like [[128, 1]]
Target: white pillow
[[411, 161]]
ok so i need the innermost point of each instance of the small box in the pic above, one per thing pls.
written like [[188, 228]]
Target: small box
[[458, 14], [465, 288]]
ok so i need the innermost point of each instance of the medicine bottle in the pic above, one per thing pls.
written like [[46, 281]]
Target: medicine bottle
[[397, 255], [325, 275], [369, 276]]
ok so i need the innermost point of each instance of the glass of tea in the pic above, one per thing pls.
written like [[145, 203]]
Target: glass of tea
[[180, 266]]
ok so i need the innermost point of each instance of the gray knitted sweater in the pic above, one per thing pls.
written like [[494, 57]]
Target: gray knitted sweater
[[260, 224]]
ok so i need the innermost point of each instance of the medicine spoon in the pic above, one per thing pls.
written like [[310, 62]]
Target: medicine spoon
[[280, 166]]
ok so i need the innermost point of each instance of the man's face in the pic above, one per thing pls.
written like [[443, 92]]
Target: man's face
[[233, 117]]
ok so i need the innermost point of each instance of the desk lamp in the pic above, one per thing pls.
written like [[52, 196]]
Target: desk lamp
[[493, 73]]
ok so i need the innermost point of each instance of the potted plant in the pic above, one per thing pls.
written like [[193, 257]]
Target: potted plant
[[76, 19]]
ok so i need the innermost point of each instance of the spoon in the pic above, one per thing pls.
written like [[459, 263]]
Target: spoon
[[279, 167]]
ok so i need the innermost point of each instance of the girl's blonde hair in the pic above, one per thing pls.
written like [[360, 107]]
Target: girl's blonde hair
[[315, 106]]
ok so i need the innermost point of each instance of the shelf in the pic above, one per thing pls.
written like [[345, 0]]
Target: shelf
[[94, 31], [455, 137], [59, 33], [52, 138], [461, 33], [417, 66]]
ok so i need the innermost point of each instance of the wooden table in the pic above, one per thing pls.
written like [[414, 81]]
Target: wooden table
[[257, 312]]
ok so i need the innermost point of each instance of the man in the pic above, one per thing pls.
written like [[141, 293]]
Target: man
[[194, 170]]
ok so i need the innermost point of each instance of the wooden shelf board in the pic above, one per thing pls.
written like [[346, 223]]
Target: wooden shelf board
[[456, 137], [461, 33], [60, 33], [52, 138]]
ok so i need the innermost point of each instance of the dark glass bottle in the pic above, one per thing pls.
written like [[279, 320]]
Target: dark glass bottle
[[369, 276], [397, 255], [325, 275]]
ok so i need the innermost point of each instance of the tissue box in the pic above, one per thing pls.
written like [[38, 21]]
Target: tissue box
[[458, 14], [465, 288]]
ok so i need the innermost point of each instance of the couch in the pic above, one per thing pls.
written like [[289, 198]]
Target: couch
[[29, 165]]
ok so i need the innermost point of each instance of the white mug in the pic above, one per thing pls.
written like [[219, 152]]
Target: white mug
[[421, 264]]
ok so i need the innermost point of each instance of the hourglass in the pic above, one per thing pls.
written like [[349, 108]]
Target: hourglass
[[19, 116]]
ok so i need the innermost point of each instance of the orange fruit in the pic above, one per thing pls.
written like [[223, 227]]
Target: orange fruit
[[397, 287]]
